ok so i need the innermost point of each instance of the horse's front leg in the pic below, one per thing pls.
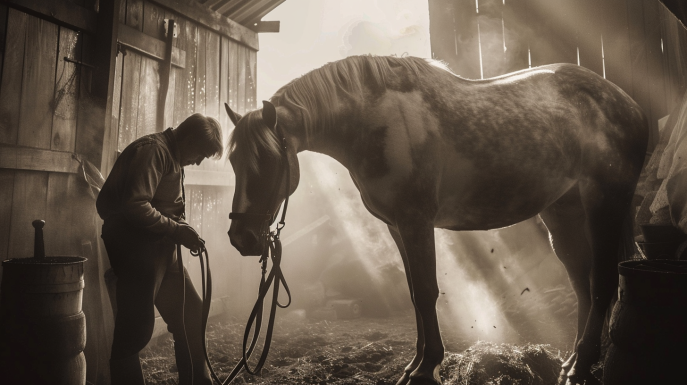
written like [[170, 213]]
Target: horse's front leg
[[420, 341], [417, 237]]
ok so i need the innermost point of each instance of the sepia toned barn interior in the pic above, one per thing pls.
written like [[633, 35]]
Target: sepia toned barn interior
[[82, 79]]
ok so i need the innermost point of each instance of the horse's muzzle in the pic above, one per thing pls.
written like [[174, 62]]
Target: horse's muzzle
[[245, 240]]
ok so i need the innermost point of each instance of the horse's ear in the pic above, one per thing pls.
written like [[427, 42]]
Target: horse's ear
[[232, 115], [269, 114]]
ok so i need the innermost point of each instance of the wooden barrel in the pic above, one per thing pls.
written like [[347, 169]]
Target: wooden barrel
[[42, 325], [648, 327]]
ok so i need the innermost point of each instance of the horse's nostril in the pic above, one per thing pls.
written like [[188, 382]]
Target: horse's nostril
[[245, 241]]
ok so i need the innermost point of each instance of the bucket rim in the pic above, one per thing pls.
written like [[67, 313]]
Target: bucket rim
[[653, 266], [48, 260]]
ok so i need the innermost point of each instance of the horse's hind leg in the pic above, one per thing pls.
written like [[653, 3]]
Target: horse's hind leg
[[606, 207], [566, 221], [420, 343]]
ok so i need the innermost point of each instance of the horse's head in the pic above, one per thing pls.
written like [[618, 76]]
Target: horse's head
[[266, 170]]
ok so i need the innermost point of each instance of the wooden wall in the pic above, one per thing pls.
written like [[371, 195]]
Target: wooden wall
[[42, 119], [637, 44]]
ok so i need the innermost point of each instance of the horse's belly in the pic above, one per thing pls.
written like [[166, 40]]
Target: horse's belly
[[488, 204]]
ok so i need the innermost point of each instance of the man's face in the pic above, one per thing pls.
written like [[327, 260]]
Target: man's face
[[193, 152]]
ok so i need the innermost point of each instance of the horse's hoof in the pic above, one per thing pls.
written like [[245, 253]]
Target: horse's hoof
[[574, 378], [404, 379], [423, 381], [419, 379]]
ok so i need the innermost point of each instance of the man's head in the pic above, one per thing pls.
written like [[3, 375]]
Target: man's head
[[198, 137]]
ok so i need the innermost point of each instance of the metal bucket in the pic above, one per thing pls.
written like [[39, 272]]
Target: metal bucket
[[648, 327]]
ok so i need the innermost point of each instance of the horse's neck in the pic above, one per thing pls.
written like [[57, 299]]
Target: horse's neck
[[320, 140]]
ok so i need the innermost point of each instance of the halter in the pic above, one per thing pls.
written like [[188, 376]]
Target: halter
[[273, 252]]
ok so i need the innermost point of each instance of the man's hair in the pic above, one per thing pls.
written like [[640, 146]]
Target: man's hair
[[205, 128]]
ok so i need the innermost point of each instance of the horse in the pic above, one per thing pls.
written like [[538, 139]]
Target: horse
[[428, 149]]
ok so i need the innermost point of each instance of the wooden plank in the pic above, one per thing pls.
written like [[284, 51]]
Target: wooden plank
[[97, 85], [672, 57], [111, 136], [200, 71], [196, 217], [555, 38], [38, 84], [656, 81], [149, 45], [233, 76], [212, 83], [148, 98], [28, 204], [66, 89], [130, 94], [63, 12], [589, 37], [638, 59], [122, 12], [134, 14], [6, 192], [213, 20], [616, 43], [209, 215], [181, 75], [266, 26], [191, 64], [165, 71], [242, 66], [466, 60], [252, 89], [59, 217], [212, 75], [516, 41], [490, 23], [169, 101], [153, 20], [196, 177], [3, 33], [12, 75], [224, 86], [28, 158]]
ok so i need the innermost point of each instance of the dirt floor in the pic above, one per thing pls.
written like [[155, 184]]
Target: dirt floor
[[358, 351]]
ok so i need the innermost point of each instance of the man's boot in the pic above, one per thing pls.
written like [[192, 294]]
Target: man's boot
[[126, 371]]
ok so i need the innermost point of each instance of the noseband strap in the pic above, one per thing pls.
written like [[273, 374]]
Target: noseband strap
[[249, 216]]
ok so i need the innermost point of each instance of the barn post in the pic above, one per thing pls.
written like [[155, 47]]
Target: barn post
[[90, 143]]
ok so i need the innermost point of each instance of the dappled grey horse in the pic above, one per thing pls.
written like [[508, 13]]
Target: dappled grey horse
[[428, 149]]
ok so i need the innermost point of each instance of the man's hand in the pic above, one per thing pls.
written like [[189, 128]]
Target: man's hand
[[188, 237]]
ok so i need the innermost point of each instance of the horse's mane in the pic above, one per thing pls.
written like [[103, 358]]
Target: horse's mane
[[315, 93]]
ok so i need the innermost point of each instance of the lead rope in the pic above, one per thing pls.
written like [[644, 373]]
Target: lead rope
[[273, 251]]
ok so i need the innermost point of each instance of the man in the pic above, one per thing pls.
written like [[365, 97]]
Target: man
[[142, 205]]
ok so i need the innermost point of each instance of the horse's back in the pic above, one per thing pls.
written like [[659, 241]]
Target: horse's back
[[514, 144]]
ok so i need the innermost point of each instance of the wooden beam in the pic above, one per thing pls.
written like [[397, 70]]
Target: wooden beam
[[208, 178], [213, 20], [256, 16], [165, 71], [149, 45], [92, 134], [266, 26], [63, 12], [36, 159]]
